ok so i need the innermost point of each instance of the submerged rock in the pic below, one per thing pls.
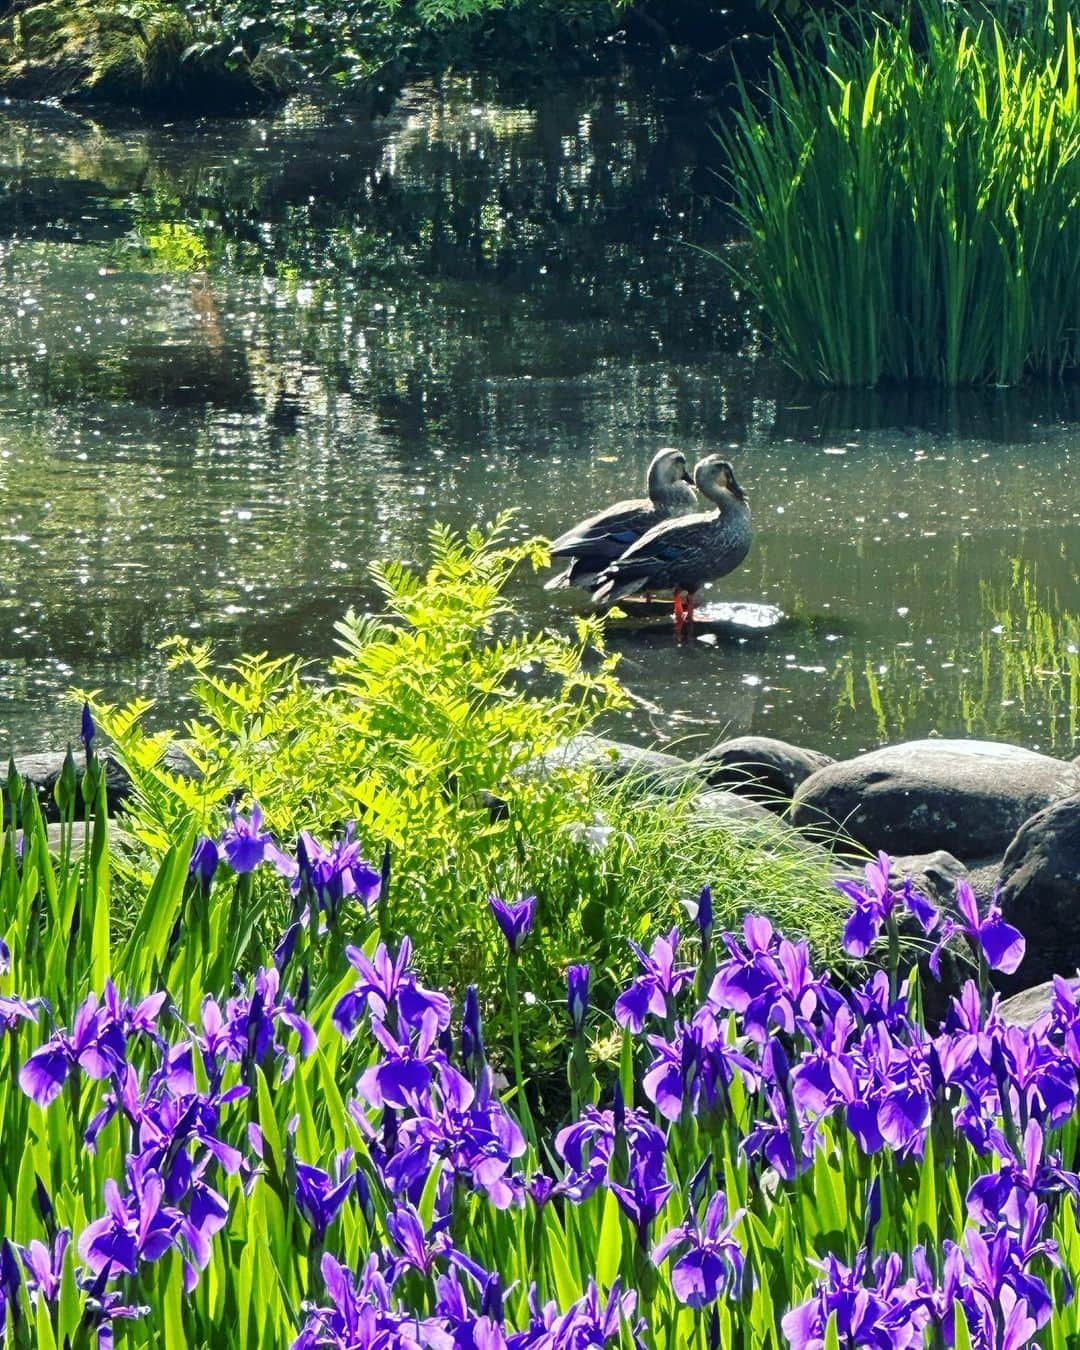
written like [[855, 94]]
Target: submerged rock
[[967, 797], [43, 771], [761, 767], [111, 52], [615, 762], [1039, 892]]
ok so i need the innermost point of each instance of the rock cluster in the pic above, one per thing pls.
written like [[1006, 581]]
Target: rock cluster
[[1004, 819]]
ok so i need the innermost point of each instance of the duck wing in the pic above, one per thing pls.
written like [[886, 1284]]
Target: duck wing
[[675, 552], [609, 532]]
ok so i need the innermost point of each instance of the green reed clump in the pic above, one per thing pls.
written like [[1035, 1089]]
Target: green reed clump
[[910, 201]]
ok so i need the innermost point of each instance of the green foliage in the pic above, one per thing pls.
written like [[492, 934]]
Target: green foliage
[[369, 38], [910, 202], [421, 730]]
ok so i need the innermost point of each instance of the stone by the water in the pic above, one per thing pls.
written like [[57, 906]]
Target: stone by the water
[[761, 767], [967, 797], [1025, 1009], [43, 770], [729, 807], [1039, 892], [933, 875], [615, 761]]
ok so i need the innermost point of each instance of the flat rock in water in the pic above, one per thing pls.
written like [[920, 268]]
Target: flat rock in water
[[761, 767], [1039, 892], [967, 797], [44, 769], [1025, 1008], [117, 837], [616, 762]]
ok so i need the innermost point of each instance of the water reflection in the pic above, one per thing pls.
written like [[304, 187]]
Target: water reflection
[[238, 360]]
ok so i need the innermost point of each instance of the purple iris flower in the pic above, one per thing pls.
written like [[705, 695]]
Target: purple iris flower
[[388, 988], [138, 1228], [879, 1313], [472, 1033], [693, 1070], [470, 1129], [14, 1011], [96, 1045], [999, 942], [1003, 1301], [204, 862], [711, 1262], [403, 1074], [87, 729], [5, 957], [320, 1196], [420, 1248], [515, 918], [246, 844], [875, 901], [642, 1198], [10, 1283], [1044, 1082], [45, 1267], [248, 1030], [590, 1321], [770, 983], [1003, 1194], [659, 982], [577, 996], [334, 874], [588, 1144], [703, 913]]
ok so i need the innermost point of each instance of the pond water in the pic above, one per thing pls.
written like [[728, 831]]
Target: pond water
[[239, 360]]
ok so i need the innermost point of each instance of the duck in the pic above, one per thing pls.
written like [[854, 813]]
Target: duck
[[594, 543], [681, 554]]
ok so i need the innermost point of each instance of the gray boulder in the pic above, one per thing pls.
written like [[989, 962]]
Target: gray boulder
[[726, 807], [1025, 1008], [932, 874], [761, 767], [1039, 891], [44, 769], [616, 762], [967, 797]]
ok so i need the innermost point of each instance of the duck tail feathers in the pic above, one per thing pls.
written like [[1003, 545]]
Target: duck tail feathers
[[559, 582], [612, 591]]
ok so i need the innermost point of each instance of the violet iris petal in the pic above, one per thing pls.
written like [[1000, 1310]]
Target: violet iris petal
[[659, 982], [246, 844], [515, 919], [712, 1261], [577, 996], [204, 862]]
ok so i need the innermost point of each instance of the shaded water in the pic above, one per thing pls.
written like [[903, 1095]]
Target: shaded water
[[238, 360]]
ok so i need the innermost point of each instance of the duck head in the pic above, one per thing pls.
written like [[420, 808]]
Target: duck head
[[667, 470], [714, 476]]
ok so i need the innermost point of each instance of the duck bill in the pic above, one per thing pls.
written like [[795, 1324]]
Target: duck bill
[[736, 490]]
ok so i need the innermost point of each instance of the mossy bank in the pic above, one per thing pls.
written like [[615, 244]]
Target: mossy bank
[[86, 51]]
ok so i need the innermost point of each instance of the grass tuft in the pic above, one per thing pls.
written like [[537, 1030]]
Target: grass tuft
[[910, 201]]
